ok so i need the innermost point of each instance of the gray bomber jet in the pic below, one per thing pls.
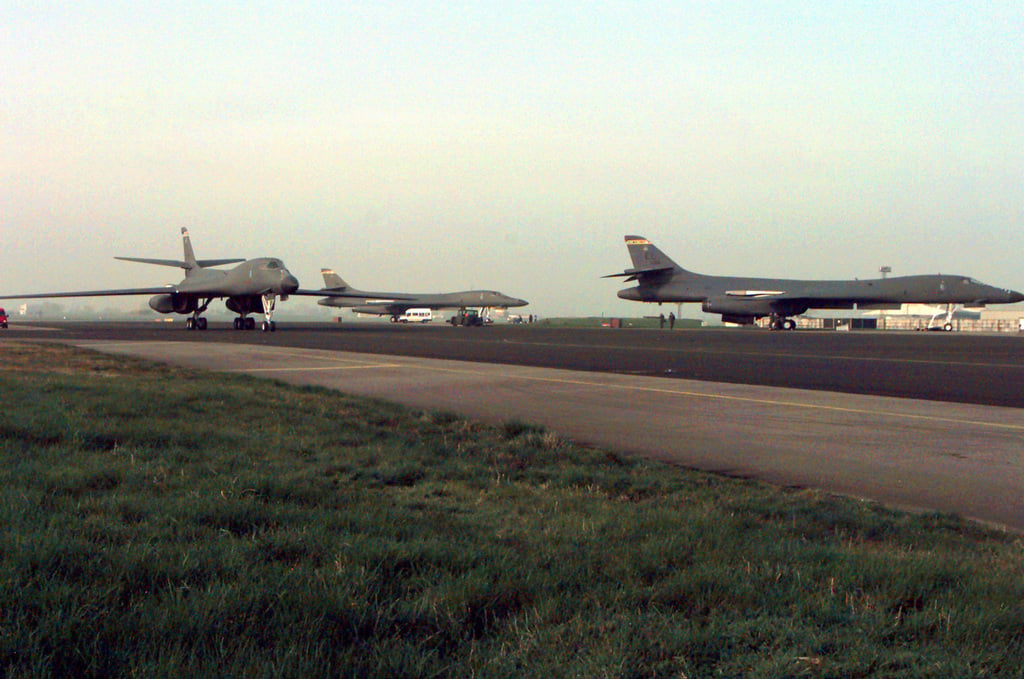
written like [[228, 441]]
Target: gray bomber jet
[[394, 304], [743, 300], [252, 286]]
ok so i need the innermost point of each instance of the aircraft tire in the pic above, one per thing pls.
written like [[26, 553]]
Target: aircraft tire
[[948, 327], [201, 323], [250, 323]]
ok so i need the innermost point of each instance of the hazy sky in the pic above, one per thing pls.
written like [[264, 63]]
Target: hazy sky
[[433, 146]]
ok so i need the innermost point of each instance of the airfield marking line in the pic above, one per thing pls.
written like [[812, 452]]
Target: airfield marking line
[[683, 350], [660, 390], [746, 399], [312, 354], [368, 366]]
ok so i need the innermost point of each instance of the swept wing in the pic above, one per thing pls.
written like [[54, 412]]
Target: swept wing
[[355, 294], [97, 293], [181, 264]]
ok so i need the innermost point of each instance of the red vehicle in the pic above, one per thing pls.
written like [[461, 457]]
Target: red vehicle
[[3, 318]]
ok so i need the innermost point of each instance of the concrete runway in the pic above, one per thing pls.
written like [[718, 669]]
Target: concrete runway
[[625, 393]]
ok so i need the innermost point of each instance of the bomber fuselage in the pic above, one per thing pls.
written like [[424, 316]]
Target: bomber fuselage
[[385, 303], [253, 277], [924, 289]]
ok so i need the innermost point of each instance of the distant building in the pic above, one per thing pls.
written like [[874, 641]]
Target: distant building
[[921, 317]]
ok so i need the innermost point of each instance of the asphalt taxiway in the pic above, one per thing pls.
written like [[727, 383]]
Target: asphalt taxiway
[[958, 367], [949, 449]]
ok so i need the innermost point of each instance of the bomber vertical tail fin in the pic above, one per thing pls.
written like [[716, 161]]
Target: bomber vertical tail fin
[[190, 256], [333, 281], [648, 261], [189, 264], [646, 256]]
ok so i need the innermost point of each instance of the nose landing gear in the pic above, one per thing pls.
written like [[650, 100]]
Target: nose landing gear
[[269, 303]]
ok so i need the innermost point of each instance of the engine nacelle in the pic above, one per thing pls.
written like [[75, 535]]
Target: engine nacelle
[[738, 320], [173, 303], [737, 306], [375, 310], [752, 307]]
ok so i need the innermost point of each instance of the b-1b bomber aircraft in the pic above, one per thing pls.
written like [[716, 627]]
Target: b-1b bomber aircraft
[[743, 300], [251, 287], [394, 304]]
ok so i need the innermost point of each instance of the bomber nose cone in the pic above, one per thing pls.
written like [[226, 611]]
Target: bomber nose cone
[[289, 283], [1015, 296]]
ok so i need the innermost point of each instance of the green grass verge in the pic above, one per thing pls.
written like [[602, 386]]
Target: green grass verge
[[162, 522]]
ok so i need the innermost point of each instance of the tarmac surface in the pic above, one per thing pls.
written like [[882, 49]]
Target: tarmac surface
[[918, 420], [960, 367]]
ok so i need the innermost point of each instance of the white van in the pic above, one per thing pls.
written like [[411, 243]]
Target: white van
[[416, 316]]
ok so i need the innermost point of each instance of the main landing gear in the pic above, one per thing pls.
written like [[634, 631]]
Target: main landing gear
[[243, 306], [782, 323], [246, 305], [247, 323], [196, 321], [244, 322]]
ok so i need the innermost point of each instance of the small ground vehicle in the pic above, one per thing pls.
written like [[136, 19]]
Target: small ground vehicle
[[467, 317], [415, 316], [3, 318]]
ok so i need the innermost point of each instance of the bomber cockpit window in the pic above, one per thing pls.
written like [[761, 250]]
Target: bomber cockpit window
[[273, 264]]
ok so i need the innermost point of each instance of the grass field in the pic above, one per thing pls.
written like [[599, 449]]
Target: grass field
[[162, 522]]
